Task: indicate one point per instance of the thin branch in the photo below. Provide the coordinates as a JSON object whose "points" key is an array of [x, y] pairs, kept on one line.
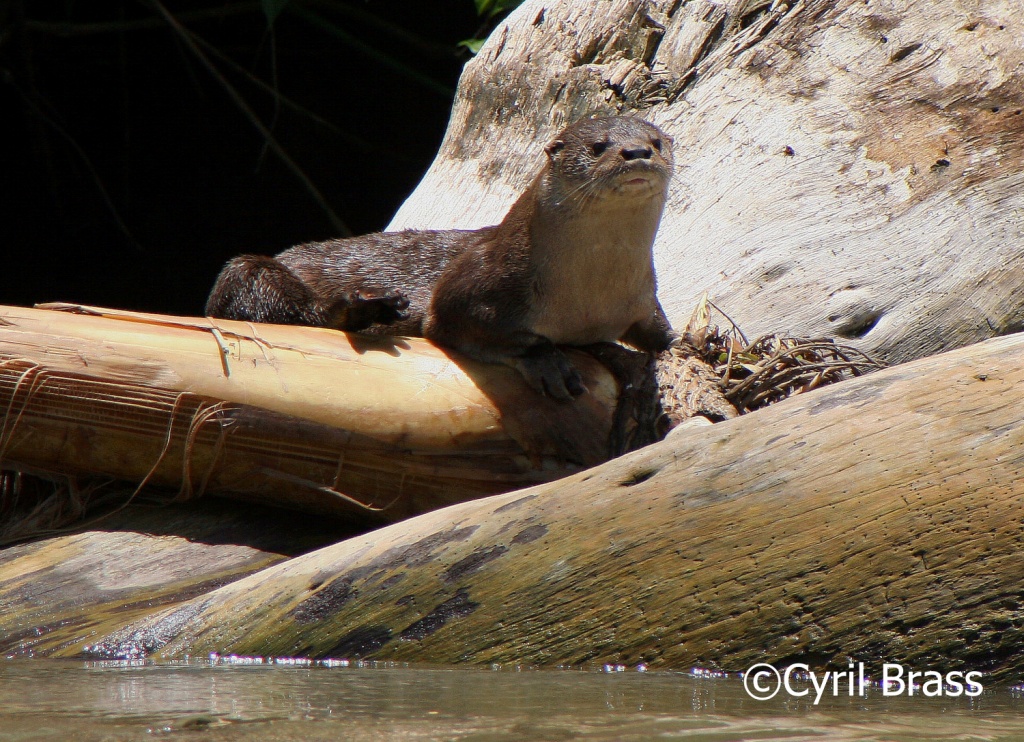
{"points": [[141, 24], [275, 93], [83, 156], [408, 38], [287, 102], [189, 40], [376, 55]]}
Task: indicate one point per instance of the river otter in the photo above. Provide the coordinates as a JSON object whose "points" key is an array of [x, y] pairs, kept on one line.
{"points": [[570, 263]]}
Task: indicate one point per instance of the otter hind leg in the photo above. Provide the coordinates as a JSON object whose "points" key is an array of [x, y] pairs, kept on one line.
{"points": [[256, 288]]}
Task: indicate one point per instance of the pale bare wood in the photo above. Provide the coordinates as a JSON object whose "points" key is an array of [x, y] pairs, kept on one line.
{"points": [[845, 168], [301, 417], [881, 519]]}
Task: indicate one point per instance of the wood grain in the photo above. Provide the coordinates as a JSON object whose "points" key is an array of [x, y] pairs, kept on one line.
{"points": [[881, 519], [290, 416], [844, 169]]}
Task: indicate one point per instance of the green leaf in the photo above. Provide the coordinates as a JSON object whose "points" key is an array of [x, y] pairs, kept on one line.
{"points": [[473, 44], [272, 9], [491, 8]]}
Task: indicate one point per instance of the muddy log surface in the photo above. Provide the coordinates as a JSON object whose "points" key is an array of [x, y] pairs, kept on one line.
{"points": [[845, 169], [881, 519]]}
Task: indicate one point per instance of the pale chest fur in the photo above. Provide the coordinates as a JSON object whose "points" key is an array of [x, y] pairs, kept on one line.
{"points": [[594, 275]]}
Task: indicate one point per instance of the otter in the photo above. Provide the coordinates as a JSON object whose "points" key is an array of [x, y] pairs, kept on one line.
{"points": [[570, 264]]}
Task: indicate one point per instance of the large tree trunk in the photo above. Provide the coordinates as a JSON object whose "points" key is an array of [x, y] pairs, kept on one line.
{"points": [[881, 520], [845, 168]]}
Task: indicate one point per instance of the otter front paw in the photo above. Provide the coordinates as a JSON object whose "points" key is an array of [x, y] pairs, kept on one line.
{"points": [[361, 308], [548, 371]]}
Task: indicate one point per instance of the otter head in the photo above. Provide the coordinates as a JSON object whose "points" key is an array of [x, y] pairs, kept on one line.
{"points": [[618, 158]]}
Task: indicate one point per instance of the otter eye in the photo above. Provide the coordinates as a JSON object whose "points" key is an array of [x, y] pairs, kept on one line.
{"points": [[656, 144], [599, 147]]}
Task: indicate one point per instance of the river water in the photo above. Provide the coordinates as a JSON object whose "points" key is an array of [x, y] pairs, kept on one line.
{"points": [[61, 700]]}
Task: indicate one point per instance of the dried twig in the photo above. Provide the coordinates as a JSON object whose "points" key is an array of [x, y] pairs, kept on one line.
{"points": [[754, 374]]}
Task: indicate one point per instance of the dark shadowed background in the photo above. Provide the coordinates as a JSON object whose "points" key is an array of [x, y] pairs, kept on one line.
{"points": [[130, 172]]}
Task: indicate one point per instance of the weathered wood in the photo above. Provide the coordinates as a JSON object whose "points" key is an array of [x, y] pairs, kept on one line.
{"points": [[63, 593], [845, 168], [881, 519], [294, 416]]}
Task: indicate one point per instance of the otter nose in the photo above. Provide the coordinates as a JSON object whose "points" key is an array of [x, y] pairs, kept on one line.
{"points": [[637, 153]]}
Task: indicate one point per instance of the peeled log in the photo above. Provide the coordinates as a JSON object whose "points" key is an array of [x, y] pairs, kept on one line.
{"points": [[845, 169], [881, 519], [294, 416]]}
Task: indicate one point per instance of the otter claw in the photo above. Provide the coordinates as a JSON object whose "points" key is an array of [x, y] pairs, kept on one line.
{"points": [[359, 309], [391, 307], [548, 371]]}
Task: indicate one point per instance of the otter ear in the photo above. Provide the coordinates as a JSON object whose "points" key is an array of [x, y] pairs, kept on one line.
{"points": [[554, 148]]}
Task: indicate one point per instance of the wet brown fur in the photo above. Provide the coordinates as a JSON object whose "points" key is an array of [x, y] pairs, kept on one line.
{"points": [[569, 264]]}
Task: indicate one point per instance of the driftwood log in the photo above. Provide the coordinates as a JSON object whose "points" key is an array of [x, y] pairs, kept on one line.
{"points": [[881, 519], [320, 420], [107, 413], [56, 593], [846, 169], [374, 429]]}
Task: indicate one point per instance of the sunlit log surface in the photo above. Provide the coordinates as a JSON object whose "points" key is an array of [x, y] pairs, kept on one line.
{"points": [[299, 417], [881, 519]]}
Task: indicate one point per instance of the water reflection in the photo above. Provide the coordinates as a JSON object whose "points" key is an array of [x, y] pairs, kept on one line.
{"points": [[44, 700]]}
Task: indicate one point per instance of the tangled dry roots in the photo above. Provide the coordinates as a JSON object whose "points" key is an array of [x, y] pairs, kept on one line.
{"points": [[718, 373]]}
